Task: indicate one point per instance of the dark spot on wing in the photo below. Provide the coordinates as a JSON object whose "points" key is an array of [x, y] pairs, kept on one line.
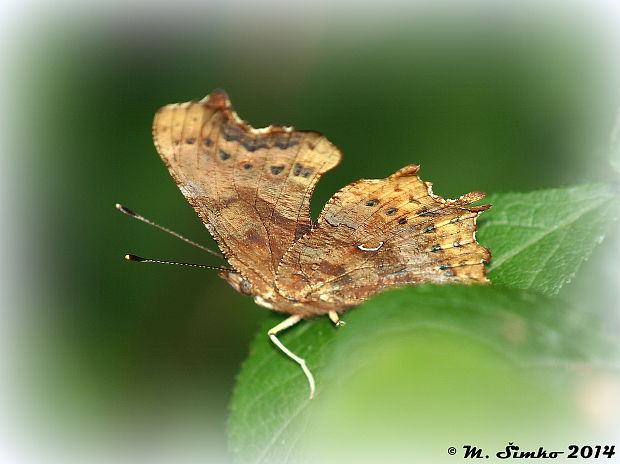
{"points": [[190, 141], [223, 155], [428, 229], [372, 202], [331, 269], [436, 248], [424, 212], [283, 145], [275, 170], [252, 142], [402, 221], [302, 229], [232, 133], [299, 170], [391, 211], [252, 236], [207, 142], [255, 146]]}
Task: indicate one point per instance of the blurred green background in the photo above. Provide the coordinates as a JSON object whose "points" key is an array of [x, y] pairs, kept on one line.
{"points": [[485, 98]]}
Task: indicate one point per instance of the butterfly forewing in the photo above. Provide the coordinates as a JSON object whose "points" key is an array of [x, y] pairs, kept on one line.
{"points": [[251, 187]]}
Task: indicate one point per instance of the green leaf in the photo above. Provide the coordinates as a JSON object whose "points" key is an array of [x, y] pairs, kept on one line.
{"points": [[405, 360], [540, 239]]}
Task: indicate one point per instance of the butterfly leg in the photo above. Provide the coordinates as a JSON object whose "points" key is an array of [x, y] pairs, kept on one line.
{"points": [[285, 324], [333, 315]]}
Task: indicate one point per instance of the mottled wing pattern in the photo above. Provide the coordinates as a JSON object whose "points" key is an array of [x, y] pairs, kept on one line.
{"points": [[377, 234], [251, 187]]}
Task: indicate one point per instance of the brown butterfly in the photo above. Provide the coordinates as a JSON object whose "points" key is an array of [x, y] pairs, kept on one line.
{"points": [[252, 189]]}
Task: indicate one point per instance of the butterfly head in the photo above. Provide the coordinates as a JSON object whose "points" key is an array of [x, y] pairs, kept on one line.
{"points": [[238, 282]]}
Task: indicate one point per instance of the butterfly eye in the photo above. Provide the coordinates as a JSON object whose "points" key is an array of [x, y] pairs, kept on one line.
{"points": [[245, 287]]}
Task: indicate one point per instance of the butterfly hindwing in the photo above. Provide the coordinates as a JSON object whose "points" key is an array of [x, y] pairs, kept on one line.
{"points": [[377, 234]]}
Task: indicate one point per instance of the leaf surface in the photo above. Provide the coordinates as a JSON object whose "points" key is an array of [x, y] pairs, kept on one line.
{"points": [[540, 239], [496, 334]]}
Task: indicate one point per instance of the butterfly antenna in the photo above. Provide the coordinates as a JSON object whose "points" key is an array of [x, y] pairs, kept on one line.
{"points": [[128, 212], [160, 261]]}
